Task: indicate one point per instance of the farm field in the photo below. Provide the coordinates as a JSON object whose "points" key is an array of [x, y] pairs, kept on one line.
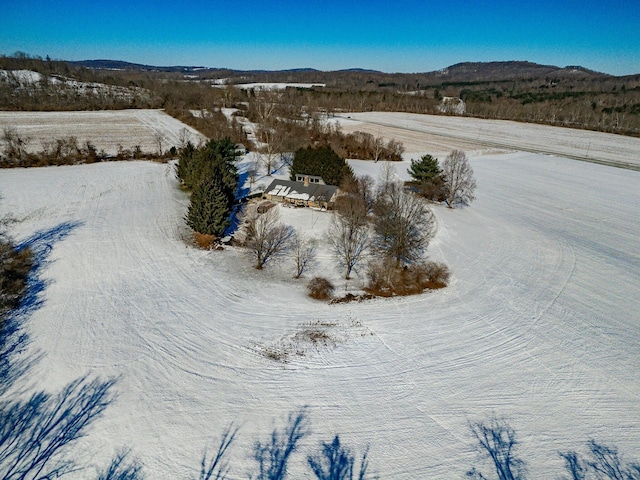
{"points": [[106, 129], [440, 134], [539, 325]]}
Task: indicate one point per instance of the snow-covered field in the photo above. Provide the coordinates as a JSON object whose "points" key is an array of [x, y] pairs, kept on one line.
{"points": [[270, 85], [106, 129], [540, 323], [440, 134]]}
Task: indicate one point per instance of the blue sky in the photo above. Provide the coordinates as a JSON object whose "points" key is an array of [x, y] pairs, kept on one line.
{"points": [[392, 36]]}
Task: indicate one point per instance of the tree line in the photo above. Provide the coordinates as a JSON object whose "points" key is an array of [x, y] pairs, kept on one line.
{"points": [[601, 103], [210, 174], [15, 152]]}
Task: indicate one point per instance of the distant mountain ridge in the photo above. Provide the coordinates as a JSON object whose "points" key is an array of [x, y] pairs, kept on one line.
{"points": [[460, 73], [492, 71], [466, 71], [122, 65]]}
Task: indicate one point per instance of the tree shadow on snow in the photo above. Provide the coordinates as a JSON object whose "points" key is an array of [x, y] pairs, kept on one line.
{"points": [[241, 194], [37, 430], [13, 338]]}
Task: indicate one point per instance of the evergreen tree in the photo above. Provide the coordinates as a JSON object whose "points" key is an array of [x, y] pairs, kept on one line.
{"points": [[210, 172], [215, 158], [323, 162], [184, 168], [427, 178], [424, 170], [209, 209]]}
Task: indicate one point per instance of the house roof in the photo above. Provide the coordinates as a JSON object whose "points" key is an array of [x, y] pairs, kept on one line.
{"points": [[299, 191]]}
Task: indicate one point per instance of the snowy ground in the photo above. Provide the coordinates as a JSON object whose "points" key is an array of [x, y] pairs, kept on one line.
{"points": [[440, 134], [540, 323], [107, 130], [273, 85]]}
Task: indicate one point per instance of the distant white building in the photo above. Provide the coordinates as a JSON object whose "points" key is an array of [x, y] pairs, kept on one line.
{"points": [[454, 105]]}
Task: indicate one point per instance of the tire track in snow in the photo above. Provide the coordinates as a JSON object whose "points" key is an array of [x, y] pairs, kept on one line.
{"points": [[515, 333]]}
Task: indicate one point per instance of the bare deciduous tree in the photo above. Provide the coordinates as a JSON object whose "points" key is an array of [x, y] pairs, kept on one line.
{"points": [[267, 236], [386, 176], [184, 137], [159, 138], [378, 147], [402, 225], [362, 187], [303, 254], [349, 238], [458, 179], [270, 129], [268, 152]]}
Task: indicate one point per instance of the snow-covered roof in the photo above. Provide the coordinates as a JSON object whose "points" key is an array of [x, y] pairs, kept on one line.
{"points": [[299, 191]]}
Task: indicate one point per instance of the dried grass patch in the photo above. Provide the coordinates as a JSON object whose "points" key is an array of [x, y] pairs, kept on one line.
{"points": [[312, 338], [204, 241]]}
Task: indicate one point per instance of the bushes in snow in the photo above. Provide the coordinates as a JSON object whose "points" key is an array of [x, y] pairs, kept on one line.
{"points": [[365, 146], [386, 279], [320, 288], [360, 145], [63, 151], [15, 265]]}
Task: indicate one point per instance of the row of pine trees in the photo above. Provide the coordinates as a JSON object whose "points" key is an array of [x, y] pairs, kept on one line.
{"points": [[210, 173]]}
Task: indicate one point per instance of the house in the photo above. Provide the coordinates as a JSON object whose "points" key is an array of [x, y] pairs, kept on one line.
{"points": [[309, 179], [310, 191]]}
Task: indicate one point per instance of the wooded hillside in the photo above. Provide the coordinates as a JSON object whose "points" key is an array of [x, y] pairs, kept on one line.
{"points": [[522, 91]]}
